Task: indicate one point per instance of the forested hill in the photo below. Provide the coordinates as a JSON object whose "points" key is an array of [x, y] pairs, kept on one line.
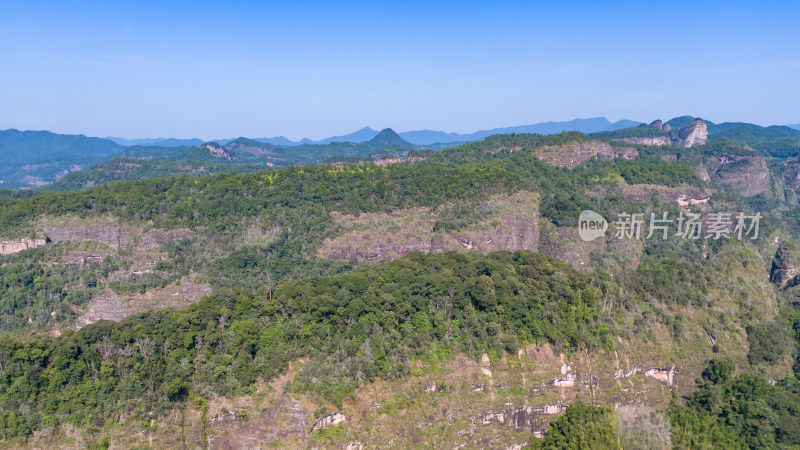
{"points": [[27, 147], [449, 290], [43, 159]]}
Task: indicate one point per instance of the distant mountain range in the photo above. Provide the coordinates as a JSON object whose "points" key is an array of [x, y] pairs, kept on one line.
{"points": [[156, 142], [40, 146], [424, 137], [37, 158], [416, 137]]}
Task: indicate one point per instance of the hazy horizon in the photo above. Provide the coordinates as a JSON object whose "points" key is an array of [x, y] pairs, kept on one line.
{"points": [[187, 70]]}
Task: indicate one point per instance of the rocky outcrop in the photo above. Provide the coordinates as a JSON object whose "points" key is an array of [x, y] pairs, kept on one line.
{"points": [[654, 140], [627, 374], [108, 230], [512, 225], [82, 256], [217, 151], [284, 421], [678, 195], [784, 265], [683, 200], [574, 153], [747, 176], [663, 375], [535, 352], [383, 162], [107, 305], [792, 173], [17, 245], [657, 124], [329, 421], [519, 231], [155, 237], [527, 418], [379, 236], [695, 133]]}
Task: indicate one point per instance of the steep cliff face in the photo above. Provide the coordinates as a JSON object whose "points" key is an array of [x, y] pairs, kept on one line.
{"points": [[575, 153], [108, 230], [785, 265], [513, 225], [101, 237], [378, 236], [678, 195], [217, 151], [287, 420], [655, 140], [696, 133], [515, 231], [107, 305], [17, 245], [745, 175], [792, 174]]}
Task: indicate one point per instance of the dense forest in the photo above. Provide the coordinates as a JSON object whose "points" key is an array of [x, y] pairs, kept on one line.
{"points": [[275, 301]]}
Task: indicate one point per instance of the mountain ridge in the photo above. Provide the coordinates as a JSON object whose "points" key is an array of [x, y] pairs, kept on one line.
{"points": [[416, 137]]}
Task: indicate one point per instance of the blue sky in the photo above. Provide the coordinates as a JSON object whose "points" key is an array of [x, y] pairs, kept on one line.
{"points": [[314, 69]]}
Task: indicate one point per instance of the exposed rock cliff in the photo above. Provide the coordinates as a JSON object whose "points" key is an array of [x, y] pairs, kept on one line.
{"points": [[574, 153], [696, 133], [745, 175], [675, 195], [217, 151], [655, 140], [17, 245], [785, 265], [379, 236], [513, 225], [108, 230], [792, 174], [284, 421], [107, 305]]}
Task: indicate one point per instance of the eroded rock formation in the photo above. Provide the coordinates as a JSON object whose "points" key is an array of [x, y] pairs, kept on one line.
{"points": [[655, 140], [107, 305], [574, 153], [330, 420], [108, 230], [695, 133], [283, 421], [513, 225], [217, 151], [17, 245], [785, 265], [747, 176]]}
